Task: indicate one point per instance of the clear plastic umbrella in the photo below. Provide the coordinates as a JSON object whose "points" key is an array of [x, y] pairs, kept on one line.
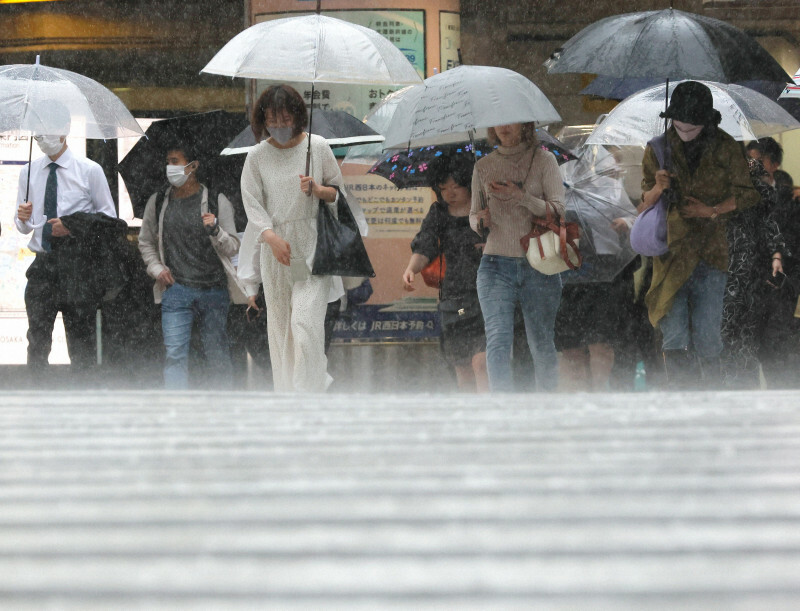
{"points": [[313, 49], [792, 90], [460, 104], [746, 115], [595, 199], [26, 89]]}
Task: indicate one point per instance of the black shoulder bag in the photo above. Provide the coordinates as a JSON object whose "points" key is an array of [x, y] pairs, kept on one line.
{"points": [[340, 249]]}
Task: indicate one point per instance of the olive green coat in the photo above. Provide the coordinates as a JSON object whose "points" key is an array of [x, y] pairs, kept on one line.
{"points": [[722, 172]]}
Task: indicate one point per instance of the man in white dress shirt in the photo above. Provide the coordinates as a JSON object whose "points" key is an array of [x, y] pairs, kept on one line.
{"points": [[60, 184]]}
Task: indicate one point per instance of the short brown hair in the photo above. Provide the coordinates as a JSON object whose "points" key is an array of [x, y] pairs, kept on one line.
{"points": [[278, 99], [529, 136]]}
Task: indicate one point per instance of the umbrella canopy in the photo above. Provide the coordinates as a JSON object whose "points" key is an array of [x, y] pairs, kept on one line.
{"points": [[142, 168], [746, 115], [666, 44], [408, 168], [313, 49], [336, 126], [27, 89], [793, 89], [454, 105], [595, 197]]}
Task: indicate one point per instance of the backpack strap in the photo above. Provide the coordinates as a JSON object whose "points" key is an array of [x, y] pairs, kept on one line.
{"points": [[160, 201]]}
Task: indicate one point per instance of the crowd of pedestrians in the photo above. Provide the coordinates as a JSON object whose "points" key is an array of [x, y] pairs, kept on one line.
{"points": [[721, 300]]}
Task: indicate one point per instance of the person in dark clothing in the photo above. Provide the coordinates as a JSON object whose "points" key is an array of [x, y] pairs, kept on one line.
{"points": [[187, 240], [52, 187], [446, 230], [755, 251], [779, 328]]}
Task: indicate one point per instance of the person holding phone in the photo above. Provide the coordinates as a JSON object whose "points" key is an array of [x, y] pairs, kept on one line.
{"points": [[516, 181], [756, 248]]}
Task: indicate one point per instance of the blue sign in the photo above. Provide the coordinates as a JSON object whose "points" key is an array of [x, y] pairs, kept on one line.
{"points": [[381, 323]]}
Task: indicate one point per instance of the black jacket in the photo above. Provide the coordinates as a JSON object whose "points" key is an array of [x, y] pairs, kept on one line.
{"points": [[92, 261]]}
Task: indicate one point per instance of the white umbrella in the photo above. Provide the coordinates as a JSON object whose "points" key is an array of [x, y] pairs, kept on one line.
{"points": [[792, 90], [454, 105], [746, 115], [26, 89], [313, 49]]}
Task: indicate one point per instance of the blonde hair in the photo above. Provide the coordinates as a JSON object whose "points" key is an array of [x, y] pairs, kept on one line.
{"points": [[529, 136]]}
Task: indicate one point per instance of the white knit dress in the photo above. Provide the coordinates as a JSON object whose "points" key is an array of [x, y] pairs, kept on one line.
{"points": [[295, 310]]}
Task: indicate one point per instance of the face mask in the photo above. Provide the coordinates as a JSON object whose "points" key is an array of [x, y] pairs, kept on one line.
{"points": [[49, 145], [686, 131], [176, 175], [282, 135]]}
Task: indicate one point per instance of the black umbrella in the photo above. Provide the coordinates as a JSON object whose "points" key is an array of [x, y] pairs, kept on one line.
{"points": [[142, 168], [667, 44], [337, 127], [407, 168]]}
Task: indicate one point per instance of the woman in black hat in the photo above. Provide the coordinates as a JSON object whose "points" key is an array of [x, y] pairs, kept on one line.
{"points": [[706, 182]]}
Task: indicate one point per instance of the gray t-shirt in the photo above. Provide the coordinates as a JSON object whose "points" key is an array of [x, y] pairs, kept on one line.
{"points": [[187, 248]]}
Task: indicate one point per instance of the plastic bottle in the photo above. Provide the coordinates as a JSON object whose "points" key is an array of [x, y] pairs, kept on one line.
{"points": [[640, 378]]}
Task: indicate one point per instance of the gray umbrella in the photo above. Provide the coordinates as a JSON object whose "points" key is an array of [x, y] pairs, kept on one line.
{"points": [[667, 44]]}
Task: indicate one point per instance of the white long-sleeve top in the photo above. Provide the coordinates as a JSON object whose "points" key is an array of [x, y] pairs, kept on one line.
{"points": [[273, 200], [82, 187]]}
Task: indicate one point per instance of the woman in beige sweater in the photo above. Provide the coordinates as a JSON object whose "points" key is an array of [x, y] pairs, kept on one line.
{"points": [[509, 188]]}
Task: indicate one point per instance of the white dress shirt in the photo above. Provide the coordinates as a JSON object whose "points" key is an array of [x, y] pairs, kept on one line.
{"points": [[82, 187]]}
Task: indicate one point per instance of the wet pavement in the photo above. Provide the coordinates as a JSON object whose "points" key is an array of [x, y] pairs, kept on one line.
{"points": [[258, 500]]}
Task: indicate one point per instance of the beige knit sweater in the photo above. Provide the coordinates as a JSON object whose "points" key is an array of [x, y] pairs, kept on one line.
{"points": [[512, 218]]}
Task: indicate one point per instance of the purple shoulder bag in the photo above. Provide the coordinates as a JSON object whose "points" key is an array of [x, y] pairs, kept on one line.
{"points": [[649, 231]]}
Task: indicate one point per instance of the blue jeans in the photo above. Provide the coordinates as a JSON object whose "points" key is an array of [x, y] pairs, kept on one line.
{"points": [[695, 318], [180, 306], [502, 283]]}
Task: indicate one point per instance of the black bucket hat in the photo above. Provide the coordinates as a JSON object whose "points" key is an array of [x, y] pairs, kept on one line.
{"points": [[691, 102]]}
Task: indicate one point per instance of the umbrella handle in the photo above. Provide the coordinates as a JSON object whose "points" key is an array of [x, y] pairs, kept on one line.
{"points": [[30, 154], [310, 121], [667, 160]]}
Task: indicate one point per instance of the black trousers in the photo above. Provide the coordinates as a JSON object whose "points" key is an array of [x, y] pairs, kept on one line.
{"points": [[42, 302]]}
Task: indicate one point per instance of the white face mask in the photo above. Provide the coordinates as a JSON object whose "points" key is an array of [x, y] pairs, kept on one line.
{"points": [[49, 145], [176, 175], [686, 131], [282, 135]]}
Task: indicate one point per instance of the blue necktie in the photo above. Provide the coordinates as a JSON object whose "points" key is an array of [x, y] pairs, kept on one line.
{"points": [[50, 205]]}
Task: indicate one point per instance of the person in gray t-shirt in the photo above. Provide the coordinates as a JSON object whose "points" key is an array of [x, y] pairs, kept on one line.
{"points": [[185, 240]]}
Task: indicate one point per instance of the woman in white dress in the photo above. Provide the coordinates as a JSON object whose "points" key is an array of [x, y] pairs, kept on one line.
{"points": [[281, 202]]}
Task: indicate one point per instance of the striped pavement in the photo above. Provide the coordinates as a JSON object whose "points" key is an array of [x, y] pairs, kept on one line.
{"points": [[155, 500]]}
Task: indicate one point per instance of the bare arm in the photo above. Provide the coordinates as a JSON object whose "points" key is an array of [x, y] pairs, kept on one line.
{"points": [[415, 266]]}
